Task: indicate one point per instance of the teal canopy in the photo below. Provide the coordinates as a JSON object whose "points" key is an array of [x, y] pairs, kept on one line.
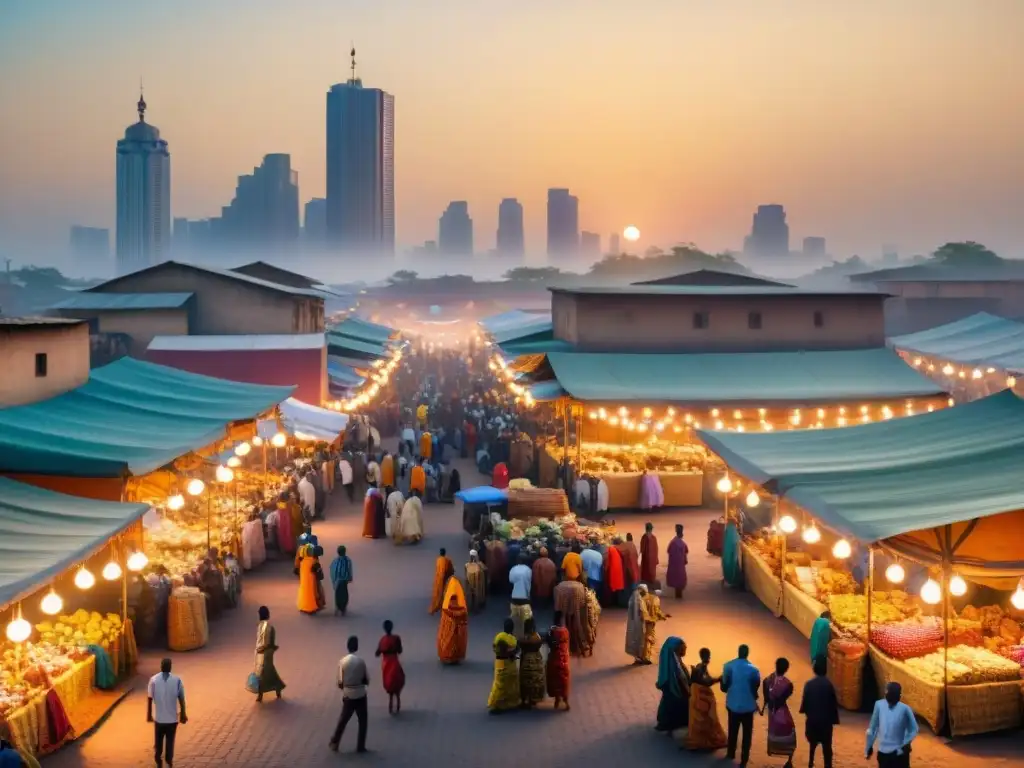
{"points": [[540, 329], [749, 377], [364, 330], [541, 346], [43, 533], [344, 346], [131, 417], [981, 339], [889, 478], [512, 321]]}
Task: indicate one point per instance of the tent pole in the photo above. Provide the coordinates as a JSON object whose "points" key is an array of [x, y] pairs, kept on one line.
{"points": [[209, 513], [869, 588], [946, 572]]}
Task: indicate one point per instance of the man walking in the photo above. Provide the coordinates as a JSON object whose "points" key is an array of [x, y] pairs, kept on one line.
{"points": [[740, 683], [821, 708], [166, 694], [352, 679], [893, 726]]}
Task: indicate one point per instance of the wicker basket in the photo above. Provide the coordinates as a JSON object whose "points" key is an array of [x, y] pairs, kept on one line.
{"points": [[983, 708], [187, 626], [847, 675], [537, 502]]}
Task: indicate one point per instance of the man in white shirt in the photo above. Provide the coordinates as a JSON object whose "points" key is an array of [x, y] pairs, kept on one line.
{"points": [[307, 494], [352, 679], [409, 438], [166, 693], [894, 726], [520, 576], [592, 564], [345, 469]]}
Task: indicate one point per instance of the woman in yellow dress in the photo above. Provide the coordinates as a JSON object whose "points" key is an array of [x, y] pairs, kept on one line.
{"points": [[310, 575], [453, 632], [505, 690]]}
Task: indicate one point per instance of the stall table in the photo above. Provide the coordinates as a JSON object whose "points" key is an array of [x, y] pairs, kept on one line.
{"points": [[800, 609], [761, 581]]}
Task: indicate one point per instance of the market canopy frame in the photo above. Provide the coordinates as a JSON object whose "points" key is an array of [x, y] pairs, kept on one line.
{"points": [[978, 340], [364, 330]]}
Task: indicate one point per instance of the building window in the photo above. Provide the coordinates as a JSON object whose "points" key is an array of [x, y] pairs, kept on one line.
{"points": [[701, 320], [40, 365], [754, 321], [819, 319]]}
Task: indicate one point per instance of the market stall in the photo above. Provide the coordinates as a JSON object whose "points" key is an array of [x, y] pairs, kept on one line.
{"points": [[934, 505]]}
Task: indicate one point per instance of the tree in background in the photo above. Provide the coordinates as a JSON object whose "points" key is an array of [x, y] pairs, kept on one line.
{"points": [[403, 276], [534, 274], [966, 254], [679, 259]]}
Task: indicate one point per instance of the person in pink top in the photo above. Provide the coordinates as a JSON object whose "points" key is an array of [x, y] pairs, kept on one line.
{"points": [[678, 552]]}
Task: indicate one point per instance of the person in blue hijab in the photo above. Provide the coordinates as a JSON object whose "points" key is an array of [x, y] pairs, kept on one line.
{"points": [[674, 684]]}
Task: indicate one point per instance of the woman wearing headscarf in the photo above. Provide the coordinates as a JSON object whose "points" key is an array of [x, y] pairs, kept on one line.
{"points": [[652, 614], [674, 684], [454, 485], [411, 528], [392, 675], [635, 625], [341, 577], [705, 730], [418, 478], [285, 535], [777, 689], [505, 688], [310, 574], [373, 518], [531, 665], [264, 673], [571, 602], [558, 672], [387, 472], [453, 632], [394, 504], [476, 582]]}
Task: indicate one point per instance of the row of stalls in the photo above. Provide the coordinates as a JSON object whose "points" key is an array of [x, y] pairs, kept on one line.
{"points": [[361, 358], [124, 510], [909, 533]]}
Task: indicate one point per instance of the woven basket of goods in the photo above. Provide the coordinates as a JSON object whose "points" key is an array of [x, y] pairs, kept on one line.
{"points": [[846, 671], [537, 502], [187, 626]]}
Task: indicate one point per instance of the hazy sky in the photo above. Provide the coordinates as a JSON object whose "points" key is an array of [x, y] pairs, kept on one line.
{"points": [[879, 121]]}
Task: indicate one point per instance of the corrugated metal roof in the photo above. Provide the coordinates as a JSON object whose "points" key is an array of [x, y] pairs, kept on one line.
{"points": [[123, 301], [227, 273], [277, 341], [33, 321], [713, 290]]}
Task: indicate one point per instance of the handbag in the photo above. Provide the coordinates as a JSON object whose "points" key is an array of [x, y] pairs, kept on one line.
{"points": [[252, 683]]}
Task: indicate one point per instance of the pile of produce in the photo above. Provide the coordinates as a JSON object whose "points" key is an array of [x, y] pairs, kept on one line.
{"points": [[1013, 653], [966, 666], [81, 628], [851, 611], [653, 456], [769, 549], [818, 578], [534, 533], [908, 639], [998, 629]]}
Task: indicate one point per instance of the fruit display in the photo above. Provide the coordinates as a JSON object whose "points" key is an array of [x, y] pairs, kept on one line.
{"points": [[851, 611], [818, 578], [908, 639], [769, 549], [80, 628], [534, 533], [1013, 653], [654, 455], [965, 666]]}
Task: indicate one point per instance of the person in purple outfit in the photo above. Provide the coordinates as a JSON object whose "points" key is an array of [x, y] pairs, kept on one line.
{"points": [[678, 554]]}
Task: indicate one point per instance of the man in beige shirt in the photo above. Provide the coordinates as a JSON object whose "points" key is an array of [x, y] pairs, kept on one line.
{"points": [[352, 679]]}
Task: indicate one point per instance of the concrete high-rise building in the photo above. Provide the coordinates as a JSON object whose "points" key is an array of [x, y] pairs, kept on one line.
{"points": [[511, 241], [814, 247], [314, 227], [563, 223], [90, 247], [143, 196], [614, 244], [455, 230], [265, 209], [769, 234], [590, 244], [360, 167]]}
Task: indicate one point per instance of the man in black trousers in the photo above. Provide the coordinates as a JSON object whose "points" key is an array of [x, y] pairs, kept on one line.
{"points": [[821, 708], [352, 679]]}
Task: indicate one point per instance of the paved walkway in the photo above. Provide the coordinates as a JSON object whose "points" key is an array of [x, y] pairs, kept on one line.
{"points": [[444, 720]]}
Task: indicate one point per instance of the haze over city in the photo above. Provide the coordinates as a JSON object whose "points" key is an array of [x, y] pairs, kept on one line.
{"points": [[873, 124]]}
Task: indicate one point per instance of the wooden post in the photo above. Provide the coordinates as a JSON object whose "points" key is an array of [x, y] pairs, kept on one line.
{"points": [[869, 588]]}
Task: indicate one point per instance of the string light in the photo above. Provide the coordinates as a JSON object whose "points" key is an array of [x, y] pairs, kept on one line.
{"points": [[724, 485], [234, 461], [176, 502], [19, 630], [257, 441], [895, 574], [842, 549], [931, 592], [787, 524], [195, 486], [112, 571], [137, 561], [242, 449], [224, 474], [957, 586], [753, 499], [84, 578], [51, 604], [279, 439], [811, 534]]}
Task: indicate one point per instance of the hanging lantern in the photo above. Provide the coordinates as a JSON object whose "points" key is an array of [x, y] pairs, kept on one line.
{"points": [[242, 449], [84, 578], [234, 461], [112, 571], [51, 604], [895, 574], [787, 524], [842, 549], [176, 502], [947, 369], [957, 586], [137, 561], [1017, 598], [224, 474], [258, 441], [724, 485], [19, 630], [811, 534], [279, 440], [753, 499], [931, 592], [195, 486]]}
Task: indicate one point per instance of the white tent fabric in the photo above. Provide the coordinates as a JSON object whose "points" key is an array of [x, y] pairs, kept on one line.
{"points": [[307, 421]]}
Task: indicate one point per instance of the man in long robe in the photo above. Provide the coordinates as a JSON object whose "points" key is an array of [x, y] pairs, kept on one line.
{"points": [[476, 582], [649, 555], [630, 566], [571, 600], [545, 575], [678, 553], [453, 632], [635, 624], [652, 614], [443, 570]]}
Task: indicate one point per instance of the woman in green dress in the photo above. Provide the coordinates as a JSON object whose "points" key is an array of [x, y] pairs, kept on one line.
{"points": [[264, 677]]}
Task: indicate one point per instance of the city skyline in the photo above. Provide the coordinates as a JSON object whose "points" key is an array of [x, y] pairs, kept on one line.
{"points": [[880, 124]]}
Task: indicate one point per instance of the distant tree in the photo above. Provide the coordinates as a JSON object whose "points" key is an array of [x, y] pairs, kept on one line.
{"points": [[533, 274], [685, 257], [40, 277], [851, 266], [403, 276], [966, 254], [653, 252]]}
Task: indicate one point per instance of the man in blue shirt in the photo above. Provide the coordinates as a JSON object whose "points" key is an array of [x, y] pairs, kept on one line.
{"points": [[740, 683], [592, 564]]}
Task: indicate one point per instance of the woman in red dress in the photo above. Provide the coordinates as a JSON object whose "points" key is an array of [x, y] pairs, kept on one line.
{"points": [[558, 662], [389, 649]]}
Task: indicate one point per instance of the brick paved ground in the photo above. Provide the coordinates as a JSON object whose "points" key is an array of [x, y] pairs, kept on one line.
{"points": [[444, 720]]}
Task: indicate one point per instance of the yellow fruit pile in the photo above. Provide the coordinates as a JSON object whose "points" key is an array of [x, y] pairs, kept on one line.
{"points": [[81, 628], [966, 666]]}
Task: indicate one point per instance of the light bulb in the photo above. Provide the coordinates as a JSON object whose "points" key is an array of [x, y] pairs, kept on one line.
{"points": [[753, 499], [51, 604], [957, 586], [947, 369], [196, 486], [234, 461], [19, 630], [811, 534], [258, 441], [279, 440], [842, 549], [111, 571], [242, 449], [931, 592], [787, 524], [1017, 598], [137, 561], [176, 502], [724, 485], [895, 574], [84, 579]]}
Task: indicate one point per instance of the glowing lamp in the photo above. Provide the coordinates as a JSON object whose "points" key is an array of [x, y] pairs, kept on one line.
{"points": [[719, 424], [842, 549], [1011, 381], [623, 411], [51, 604], [1017, 598], [648, 413], [787, 524], [137, 561], [84, 578], [195, 486], [947, 369], [242, 449], [931, 592], [176, 502], [592, 415], [976, 374], [724, 485], [279, 440], [258, 441], [234, 461], [811, 534], [19, 630], [895, 574], [753, 499], [957, 586], [111, 571], [714, 413]]}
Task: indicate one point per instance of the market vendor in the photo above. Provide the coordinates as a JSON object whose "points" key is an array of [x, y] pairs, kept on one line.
{"points": [[821, 636], [572, 565], [211, 582]]}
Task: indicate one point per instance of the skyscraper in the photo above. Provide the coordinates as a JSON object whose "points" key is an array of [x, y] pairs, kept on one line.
{"points": [[360, 166], [590, 244], [265, 209], [510, 228], [314, 228], [614, 244], [769, 234], [455, 230], [143, 196], [814, 247], [563, 223]]}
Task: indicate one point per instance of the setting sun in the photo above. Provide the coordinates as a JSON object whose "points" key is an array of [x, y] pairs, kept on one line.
{"points": [[631, 233]]}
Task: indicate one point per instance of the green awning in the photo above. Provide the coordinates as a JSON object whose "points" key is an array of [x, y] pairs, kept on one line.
{"points": [[749, 377], [131, 417], [889, 478], [364, 330], [514, 349], [344, 346], [981, 339], [43, 533]]}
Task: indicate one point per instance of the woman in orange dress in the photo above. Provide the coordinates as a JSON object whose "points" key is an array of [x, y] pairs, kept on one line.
{"points": [[558, 662], [310, 574], [453, 633], [418, 479]]}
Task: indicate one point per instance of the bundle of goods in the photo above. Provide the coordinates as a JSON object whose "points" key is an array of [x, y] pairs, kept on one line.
{"points": [[850, 612], [653, 456], [29, 671], [818, 578], [178, 545], [81, 628], [537, 502], [187, 624], [908, 639], [770, 550], [533, 533], [965, 666]]}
